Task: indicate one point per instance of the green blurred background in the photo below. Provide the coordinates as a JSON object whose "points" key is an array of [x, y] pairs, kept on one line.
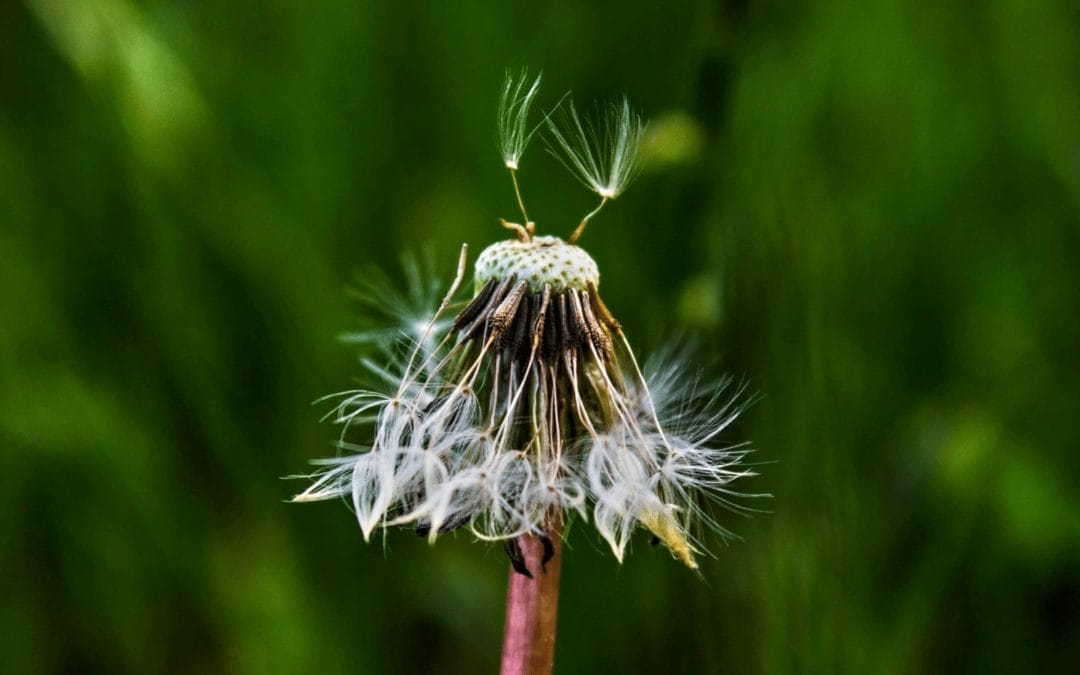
{"points": [[870, 210]]}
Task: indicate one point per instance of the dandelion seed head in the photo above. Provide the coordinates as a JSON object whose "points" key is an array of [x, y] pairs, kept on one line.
{"points": [[528, 406], [507, 412]]}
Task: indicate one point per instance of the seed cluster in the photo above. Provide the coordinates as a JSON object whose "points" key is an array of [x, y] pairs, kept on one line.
{"points": [[528, 406], [547, 323]]}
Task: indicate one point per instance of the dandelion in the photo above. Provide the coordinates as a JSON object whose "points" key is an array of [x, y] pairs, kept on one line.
{"points": [[512, 411]]}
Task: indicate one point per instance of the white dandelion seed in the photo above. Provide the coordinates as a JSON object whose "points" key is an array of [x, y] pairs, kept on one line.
{"points": [[512, 127], [604, 155]]}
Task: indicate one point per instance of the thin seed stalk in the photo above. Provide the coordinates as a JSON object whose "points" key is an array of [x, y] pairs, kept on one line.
{"points": [[531, 609]]}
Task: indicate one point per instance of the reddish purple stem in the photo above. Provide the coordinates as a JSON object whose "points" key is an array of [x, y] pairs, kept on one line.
{"points": [[531, 609]]}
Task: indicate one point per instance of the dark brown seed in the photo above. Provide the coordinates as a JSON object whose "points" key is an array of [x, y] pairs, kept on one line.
{"points": [[601, 340], [538, 320], [552, 321], [578, 329], [475, 306], [479, 324], [565, 338], [504, 314], [517, 339]]}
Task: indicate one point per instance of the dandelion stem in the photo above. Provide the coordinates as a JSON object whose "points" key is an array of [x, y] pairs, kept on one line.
{"points": [[585, 221], [531, 608]]}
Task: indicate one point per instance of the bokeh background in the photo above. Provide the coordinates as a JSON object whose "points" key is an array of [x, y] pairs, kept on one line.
{"points": [[870, 210]]}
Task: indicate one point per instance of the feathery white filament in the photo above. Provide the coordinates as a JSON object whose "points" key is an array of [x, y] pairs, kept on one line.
{"points": [[602, 155], [512, 126]]}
